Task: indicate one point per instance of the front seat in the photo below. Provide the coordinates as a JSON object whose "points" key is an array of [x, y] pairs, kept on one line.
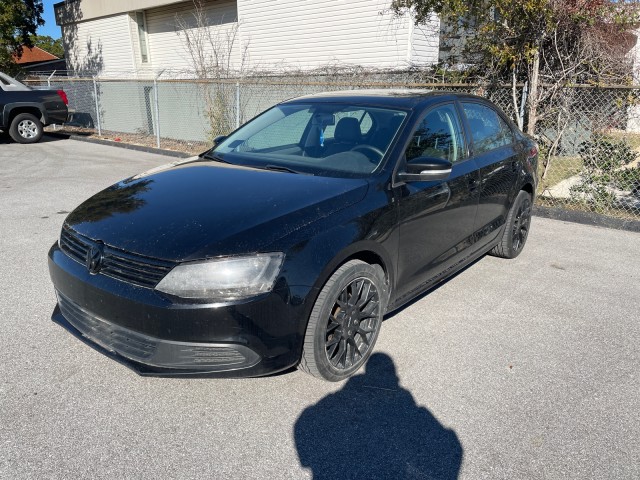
{"points": [[347, 135]]}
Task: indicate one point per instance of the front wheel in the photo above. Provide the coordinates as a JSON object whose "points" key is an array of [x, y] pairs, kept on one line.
{"points": [[516, 229], [26, 128], [345, 321]]}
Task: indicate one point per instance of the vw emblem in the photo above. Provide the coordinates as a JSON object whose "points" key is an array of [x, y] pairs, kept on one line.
{"points": [[94, 259]]}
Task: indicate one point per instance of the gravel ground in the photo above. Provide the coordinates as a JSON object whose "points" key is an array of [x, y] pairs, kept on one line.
{"points": [[513, 369]]}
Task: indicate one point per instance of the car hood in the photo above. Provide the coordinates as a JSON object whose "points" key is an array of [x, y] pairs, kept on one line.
{"points": [[203, 209]]}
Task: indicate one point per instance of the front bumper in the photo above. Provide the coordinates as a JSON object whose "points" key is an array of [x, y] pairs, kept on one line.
{"points": [[155, 335]]}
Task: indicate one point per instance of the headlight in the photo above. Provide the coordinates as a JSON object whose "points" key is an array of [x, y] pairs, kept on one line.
{"points": [[230, 278]]}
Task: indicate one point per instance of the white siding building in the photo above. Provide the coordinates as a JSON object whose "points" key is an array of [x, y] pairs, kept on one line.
{"points": [[117, 36]]}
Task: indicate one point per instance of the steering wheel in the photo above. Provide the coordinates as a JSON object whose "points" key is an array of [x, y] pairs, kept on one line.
{"points": [[369, 148]]}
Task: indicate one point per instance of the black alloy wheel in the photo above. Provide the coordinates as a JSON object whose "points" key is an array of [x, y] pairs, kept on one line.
{"points": [[345, 321], [521, 224], [352, 323], [516, 229]]}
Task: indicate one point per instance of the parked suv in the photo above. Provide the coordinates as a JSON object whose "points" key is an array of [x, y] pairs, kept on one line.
{"points": [[24, 112], [288, 242]]}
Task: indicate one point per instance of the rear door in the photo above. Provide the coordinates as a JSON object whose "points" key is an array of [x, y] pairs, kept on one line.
{"points": [[495, 151], [436, 218]]}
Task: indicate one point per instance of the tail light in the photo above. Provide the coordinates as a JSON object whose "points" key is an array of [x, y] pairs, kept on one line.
{"points": [[533, 151], [63, 97]]}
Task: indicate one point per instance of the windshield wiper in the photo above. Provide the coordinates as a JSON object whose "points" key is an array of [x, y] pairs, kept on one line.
{"points": [[214, 157], [278, 168]]}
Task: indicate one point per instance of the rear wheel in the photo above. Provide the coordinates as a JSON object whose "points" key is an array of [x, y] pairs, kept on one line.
{"points": [[516, 229], [26, 128], [345, 321]]}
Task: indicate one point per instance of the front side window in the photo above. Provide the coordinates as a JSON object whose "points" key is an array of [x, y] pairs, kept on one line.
{"points": [[438, 136], [320, 139], [488, 129]]}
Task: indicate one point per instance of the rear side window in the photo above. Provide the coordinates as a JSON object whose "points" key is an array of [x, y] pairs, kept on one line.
{"points": [[488, 130]]}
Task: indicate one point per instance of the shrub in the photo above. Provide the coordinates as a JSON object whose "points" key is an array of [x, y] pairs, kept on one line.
{"points": [[602, 160]]}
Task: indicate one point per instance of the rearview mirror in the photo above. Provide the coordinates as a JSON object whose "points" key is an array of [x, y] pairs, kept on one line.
{"points": [[323, 119], [425, 169], [219, 139]]}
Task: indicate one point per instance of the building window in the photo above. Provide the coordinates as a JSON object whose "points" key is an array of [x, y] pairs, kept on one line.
{"points": [[142, 37]]}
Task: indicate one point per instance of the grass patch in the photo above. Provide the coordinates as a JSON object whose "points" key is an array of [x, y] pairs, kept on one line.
{"points": [[632, 138], [610, 211], [560, 168]]}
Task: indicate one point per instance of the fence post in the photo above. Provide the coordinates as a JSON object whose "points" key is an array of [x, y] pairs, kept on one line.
{"points": [[523, 102], [237, 104], [49, 79], [157, 106], [95, 96]]}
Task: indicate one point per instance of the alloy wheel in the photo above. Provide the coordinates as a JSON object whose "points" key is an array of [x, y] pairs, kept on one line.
{"points": [[352, 324], [521, 225], [27, 129]]}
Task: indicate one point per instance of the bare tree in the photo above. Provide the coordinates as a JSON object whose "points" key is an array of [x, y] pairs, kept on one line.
{"points": [[219, 59]]}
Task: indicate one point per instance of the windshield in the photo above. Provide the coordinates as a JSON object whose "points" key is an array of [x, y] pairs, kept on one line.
{"points": [[318, 139]]}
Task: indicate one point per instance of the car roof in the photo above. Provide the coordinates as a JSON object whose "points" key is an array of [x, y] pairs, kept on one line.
{"points": [[400, 98]]}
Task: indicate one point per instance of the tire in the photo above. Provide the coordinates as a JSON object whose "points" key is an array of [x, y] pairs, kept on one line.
{"points": [[26, 128], [345, 321], [516, 229]]}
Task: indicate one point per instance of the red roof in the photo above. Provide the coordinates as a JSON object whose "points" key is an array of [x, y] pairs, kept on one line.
{"points": [[34, 55]]}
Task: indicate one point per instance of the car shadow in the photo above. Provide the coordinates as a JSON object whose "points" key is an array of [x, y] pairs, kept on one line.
{"points": [[46, 138], [373, 428]]}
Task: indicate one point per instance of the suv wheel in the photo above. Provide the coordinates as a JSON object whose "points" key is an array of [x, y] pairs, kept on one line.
{"points": [[26, 128], [345, 321], [516, 229]]}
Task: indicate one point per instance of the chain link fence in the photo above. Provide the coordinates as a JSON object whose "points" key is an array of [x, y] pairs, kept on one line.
{"points": [[589, 136]]}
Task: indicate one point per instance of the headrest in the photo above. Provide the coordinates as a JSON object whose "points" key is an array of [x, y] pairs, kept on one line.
{"points": [[348, 130]]}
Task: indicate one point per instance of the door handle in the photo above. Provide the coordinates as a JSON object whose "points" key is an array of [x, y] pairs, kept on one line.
{"points": [[473, 184]]}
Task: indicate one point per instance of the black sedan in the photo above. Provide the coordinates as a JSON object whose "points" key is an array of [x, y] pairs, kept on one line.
{"points": [[288, 242]]}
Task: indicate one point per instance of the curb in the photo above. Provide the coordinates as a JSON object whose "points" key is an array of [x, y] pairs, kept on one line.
{"points": [[586, 218], [128, 146]]}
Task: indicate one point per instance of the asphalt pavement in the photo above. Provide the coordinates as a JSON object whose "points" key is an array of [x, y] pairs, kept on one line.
{"points": [[527, 368]]}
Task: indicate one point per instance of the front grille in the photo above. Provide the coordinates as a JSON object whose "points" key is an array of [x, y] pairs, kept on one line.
{"points": [[128, 267], [153, 351], [114, 339]]}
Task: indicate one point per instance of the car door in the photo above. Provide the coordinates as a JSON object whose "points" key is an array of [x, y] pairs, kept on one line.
{"points": [[436, 218], [496, 153]]}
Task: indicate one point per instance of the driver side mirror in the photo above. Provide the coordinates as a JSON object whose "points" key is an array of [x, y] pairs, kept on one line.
{"points": [[425, 169]]}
